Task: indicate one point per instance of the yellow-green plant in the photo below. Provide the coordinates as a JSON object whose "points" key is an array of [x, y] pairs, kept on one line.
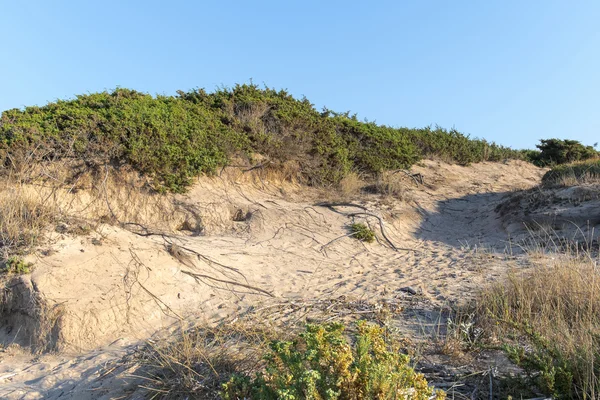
{"points": [[16, 265], [362, 232], [323, 364]]}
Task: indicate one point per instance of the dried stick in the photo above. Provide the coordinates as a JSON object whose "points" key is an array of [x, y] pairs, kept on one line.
{"points": [[203, 276]]}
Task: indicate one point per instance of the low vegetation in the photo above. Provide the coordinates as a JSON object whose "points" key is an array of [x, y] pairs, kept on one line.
{"points": [[362, 232], [172, 139], [556, 152], [576, 173], [323, 362], [23, 216], [548, 321], [15, 265]]}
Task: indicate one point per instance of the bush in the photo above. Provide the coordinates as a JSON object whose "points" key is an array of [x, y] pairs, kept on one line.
{"points": [[362, 232], [453, 146], [173, 139], [163, 137], [556, 152], [573, 174], [322, 364]]}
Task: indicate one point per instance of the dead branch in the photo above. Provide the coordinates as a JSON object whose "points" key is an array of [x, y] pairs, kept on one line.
{"points": [[332, 205], [417, 178], [381, 227], [135, 279], [259, 166], [202, 257], [336, 239], [203, 276]]}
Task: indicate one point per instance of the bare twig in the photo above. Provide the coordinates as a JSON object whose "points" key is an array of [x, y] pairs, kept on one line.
{"points": [[417, 178], [212, 278]]}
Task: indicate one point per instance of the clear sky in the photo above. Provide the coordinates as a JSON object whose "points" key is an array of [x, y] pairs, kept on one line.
{"points": [[508, 71]]}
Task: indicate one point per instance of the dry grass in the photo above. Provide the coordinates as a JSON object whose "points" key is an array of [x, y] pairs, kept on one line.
{"points": [[550, 315], [23, 216], [351, 185], [196, 362], [577, 173], [391, 183]]}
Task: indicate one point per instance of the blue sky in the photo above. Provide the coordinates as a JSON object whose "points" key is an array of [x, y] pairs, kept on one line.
{"points": [[508, 71]]}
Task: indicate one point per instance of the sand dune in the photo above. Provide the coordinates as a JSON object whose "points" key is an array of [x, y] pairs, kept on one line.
{"points": [[91, 298]]}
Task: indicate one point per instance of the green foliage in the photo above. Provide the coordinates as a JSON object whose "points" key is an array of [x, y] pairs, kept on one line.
{"points": [[362, 232], [16, 265], [453, 146], [549, 323], [573, 173], [322, 364], [176, 138], [163, 137], [550, 369], [557, 151]]}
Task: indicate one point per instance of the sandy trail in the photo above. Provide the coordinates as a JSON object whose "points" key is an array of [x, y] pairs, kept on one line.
{"points": [[289, 247]]}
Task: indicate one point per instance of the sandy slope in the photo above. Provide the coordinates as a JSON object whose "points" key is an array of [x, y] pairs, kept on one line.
{"points": [[106, 290]]}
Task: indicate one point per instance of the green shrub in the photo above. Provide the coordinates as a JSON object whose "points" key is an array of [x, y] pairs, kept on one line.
{"points": [[557, 151], [322, 364], [362, 232], [163, 137], [453, 146], [176, 138], [573, 174]]}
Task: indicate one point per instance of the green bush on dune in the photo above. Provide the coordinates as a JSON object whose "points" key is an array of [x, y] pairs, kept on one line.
{"points": [[573, 173], [176, 138], [557, 152]]}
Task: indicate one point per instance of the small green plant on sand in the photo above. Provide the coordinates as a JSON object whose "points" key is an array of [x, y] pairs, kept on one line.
{"points": [[362, 232], [16, 265], [322, 364]]}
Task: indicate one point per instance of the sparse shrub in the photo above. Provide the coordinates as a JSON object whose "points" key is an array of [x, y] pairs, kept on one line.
{"points": [[548, 320], [16, 265], [322, 364], [362, 232], [573, 174], [391, 184], [350, 185]]}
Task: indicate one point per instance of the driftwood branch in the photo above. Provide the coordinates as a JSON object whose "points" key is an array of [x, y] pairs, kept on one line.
{"points": [[261, 165], [212, 278], [173, 248]]}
